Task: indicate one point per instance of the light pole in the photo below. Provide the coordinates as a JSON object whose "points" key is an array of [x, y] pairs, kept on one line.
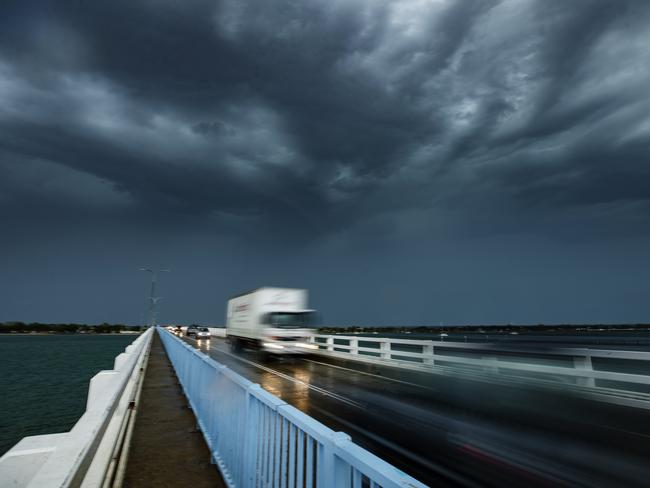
{"points": [[153, 299]]}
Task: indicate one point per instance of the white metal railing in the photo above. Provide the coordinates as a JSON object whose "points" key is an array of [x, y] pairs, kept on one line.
{"points": [[604, 370], [87, 455], [258, 440]]}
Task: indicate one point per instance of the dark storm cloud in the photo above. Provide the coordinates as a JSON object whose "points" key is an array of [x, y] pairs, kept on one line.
{"points": [[330, 111]]}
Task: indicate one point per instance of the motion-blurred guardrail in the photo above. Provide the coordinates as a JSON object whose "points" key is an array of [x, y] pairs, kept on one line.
{"points": [[90, 455], [616, 376], [257, 439]]}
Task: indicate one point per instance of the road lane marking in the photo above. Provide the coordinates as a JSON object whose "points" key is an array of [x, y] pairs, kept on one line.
{"points": [[315, 388], [370, 374], [354, 371]]}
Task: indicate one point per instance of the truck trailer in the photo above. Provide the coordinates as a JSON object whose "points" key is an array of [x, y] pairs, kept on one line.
{"points": [[271, 320]]}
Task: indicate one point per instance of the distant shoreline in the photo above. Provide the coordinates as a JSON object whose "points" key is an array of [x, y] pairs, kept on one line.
{"points": [[38, 328], [4, 334], [490, 329]]}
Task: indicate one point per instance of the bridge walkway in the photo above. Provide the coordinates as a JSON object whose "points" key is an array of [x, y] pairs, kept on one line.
{"points": [[166, 448]]}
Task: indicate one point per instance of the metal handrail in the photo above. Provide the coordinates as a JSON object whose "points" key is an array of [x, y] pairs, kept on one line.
{"points": [[257, 439], [568, 365], [609, 353]]}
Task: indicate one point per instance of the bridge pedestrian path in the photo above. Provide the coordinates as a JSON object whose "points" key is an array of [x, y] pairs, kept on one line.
{"points": [[167, 449]]}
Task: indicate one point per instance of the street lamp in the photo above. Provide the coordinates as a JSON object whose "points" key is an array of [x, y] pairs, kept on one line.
{"points": [[153, 299]]}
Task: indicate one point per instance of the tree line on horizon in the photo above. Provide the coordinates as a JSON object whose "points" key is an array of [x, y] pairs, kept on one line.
{"points": [[36, 327], [106, 328], [485, 328]]}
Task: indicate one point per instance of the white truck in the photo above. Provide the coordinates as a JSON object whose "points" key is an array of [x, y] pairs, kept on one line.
{"points": [[271, 320]]}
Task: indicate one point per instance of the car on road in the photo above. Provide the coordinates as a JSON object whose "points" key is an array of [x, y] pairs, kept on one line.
{"points": [[203, 333], [198, 333]]}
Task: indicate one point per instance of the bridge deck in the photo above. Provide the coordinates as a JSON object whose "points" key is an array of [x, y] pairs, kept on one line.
{"points": [[166, 448], [449, 431]]}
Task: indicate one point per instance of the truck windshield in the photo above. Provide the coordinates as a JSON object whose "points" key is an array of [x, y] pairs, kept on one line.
{"points": [[286, 320]]}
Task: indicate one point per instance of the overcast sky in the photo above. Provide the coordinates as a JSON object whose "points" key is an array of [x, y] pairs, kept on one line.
{"points": [[411, 162]]}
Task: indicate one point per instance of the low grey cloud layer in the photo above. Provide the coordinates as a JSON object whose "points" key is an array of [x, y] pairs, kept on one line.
{"points": [[361, 130]]}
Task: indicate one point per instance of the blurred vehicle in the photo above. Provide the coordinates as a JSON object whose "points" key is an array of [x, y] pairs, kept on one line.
{"points": [[177, 331], [191, 331], [203, 333], [270, 320]]}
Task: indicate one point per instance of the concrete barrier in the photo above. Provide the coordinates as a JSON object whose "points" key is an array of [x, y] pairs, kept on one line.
{"points": [[86, 456], [217, 331]]}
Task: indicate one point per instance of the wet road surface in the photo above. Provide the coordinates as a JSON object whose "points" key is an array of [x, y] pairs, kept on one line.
{"points": [[450, 431]]}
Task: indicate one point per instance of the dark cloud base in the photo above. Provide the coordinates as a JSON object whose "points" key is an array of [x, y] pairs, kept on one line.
{"points": [[345, 137]]}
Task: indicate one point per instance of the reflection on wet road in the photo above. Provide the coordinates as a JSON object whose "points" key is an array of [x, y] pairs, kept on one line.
{"points": [[447, 431]]}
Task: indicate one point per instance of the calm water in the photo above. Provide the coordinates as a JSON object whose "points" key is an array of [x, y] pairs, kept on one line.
{"points": [[44, 380]]}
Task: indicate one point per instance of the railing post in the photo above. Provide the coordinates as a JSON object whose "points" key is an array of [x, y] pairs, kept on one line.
{"points": [[354, 346], [384, 347], [428, 358], [330, 343], [333, 471], [584, 362], [248, 469], [342, 470]]}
